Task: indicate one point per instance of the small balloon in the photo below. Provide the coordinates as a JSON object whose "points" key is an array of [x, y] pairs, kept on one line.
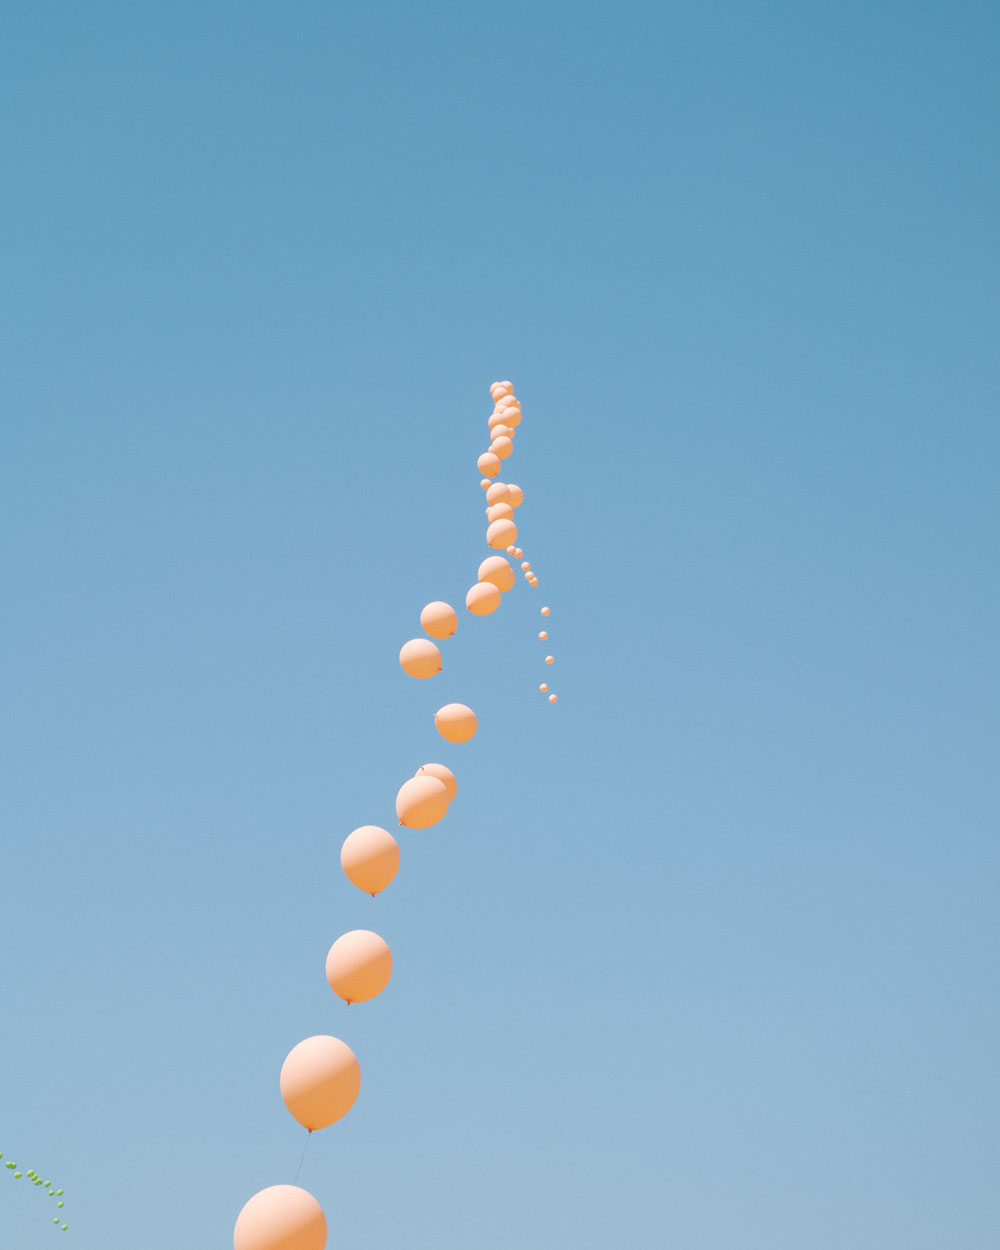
{"points": [[498, 417], [282, 1217], [516, 495], [552, 698], [501, 534], [495, 569], [421, 802], [370, 858], [455, 722], [544, 686], [488, 464], [439, 619], [483, 598], [484, 482], [550, 659], [320, 1080], [543, 635], [518, 553], [511, 551], [500, 431], [443, 774], [498, 492], [420, 658], [358, 966], [546, 611], [526, 565]]}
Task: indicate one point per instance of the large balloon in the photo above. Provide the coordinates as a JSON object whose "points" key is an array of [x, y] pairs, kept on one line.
{"points": [[442, 774], [455, 722], [282, 1217], [515, 495], [501, 447], [320, 1080], [498, 493], [421, 802], [439, 619], [501, 534], [370, 858], [359, 966], [420, 657], [483, 598], [498, 417], [488, 464], [499, 512], [495, 569]]}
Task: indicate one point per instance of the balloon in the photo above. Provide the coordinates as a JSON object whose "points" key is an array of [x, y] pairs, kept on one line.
{"points": [[546, 611], [455, 722], [282, 1217], [488, 464], [483, 598], [518, 552], [421, 802], [498, 493], [544, 686], [552, 698], [501, 431], [516, 495], [495, 569], [484, 482], [439, 619], [497, 417], [504, 388], [526, 566], [420, 658], [500, 534], [320, 1080], [443, 774], [499, 512], [370, 858], [550, 659], [501, 447], [543, 635], [358, 966], [512, 415], [511, 551]]}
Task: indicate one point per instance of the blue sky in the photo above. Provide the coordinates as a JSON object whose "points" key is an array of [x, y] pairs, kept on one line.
{"points": [[704, 956]]}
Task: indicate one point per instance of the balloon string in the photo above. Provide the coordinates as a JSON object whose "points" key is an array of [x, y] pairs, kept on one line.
{"points": [[309, 1134]]}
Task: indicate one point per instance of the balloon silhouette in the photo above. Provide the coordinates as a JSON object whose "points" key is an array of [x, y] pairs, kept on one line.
{"points": [[483, 598], [370, 858], [420, 658], [438, 619], [443, 774], [358, 966], [320, 1080], [421, 802], [455, 722], [282, 1217]]}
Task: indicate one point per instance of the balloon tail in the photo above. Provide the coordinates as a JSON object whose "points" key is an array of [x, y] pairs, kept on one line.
{"points": [[302, 1160]]}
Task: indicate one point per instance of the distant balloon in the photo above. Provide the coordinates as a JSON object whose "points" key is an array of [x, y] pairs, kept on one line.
{"points": [[546, 611], [320, 1080], [502, 447], [443, 774], [495, 569], [518, 553], [420, 658], [483, 598], [439, 619], [488, 464], [544, 686], [505, 388], [501, 534], [516, 495], [526, 566], [455, 722], [499, 492], [499, 512], [421, 802], [543, 635], [484, 482], [550, 659], [359, 966], [370, 858], [282, 1217], [512, 551], [552, 698]]}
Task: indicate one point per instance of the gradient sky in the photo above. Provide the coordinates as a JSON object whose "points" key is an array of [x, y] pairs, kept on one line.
{"points": [[705, 956]]}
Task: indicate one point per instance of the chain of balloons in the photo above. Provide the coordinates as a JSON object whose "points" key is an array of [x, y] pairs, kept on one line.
{"points": [[320, 1078], [36, 1180]]}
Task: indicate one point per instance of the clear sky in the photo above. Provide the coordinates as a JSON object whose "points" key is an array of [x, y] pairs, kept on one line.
{"points": [[703, 957]]}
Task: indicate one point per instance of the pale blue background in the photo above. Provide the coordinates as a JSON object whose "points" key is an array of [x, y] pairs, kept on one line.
{"points": [[705, 956]]}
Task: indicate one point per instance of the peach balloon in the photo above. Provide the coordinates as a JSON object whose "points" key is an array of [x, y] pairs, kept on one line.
{"points": [[320, 1080], [488, 464], [370, 858], [497, 418], [511, 551], [499, 512], [484, 482], [498, 492], [550, 659], [455, 722], [483, 598], [495, 569], [546, 611], [512, 416], [359, 966], [282, 1217], [526, 566], [501, 534], [544, 686], [552, 698], [501, 431], [518, 553], [421, 802], [543, 635], [420, 657], [444, 775], [439, 619], [504, 388], [516, 495], [502, 447]]}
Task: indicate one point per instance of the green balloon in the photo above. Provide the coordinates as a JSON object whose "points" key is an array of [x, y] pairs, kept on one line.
{"points": [[60, 1204], [17, 1175], [56, 1220], [59, 1192]]}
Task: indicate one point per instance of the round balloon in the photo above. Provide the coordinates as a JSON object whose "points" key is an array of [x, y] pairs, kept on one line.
{"points": [[501, 447], [499, 512], [282, 1217], [544, 686], [439, 619], [320, 1080], [515, 495], [501, 534], [421, 802], [500, 431], [552, 698], [543, 635], [370, 858], [488, 464], [550, 659], [498, 493], [455, 722], [526, 565], [497, 417], [484, 482], [483, 598], [443, 774], [358, 966], [420, 658], [495, 569], [546, 611]]}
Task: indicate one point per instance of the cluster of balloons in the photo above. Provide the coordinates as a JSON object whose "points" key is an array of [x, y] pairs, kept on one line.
{"points": [[36, 1180], [320, 1078]]}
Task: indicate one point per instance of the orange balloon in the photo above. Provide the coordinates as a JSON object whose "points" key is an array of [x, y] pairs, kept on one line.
{"points": [[439, 619], [552, 698], [498, 493], [550, 659], [499, 512], [496, 418], [546, 611], [502, 447], [483, 598], [484, 482], [543, 635], [421, 802], [370, 858], [495, 569], [544, 686], [526, 566], [507, 399], [320, 1080], [359, 966], [505, 388], [455, 722], [512, 416], [501, 534], [443, 774], [420, 657], [518, 553], [488, 464], [281, 1217], [516, 495], [501, 431], [511, 551]]}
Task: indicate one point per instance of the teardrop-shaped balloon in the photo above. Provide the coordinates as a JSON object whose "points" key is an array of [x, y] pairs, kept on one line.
{"points": [[443, 774], [421, 802], [420, 658], [282, 1217], [488, 464], [358, 966], [495, 569], [439, 619], [498, 493], [455, 722], [501, 534], [370, 858], [320, 1080], [483, 598]]}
